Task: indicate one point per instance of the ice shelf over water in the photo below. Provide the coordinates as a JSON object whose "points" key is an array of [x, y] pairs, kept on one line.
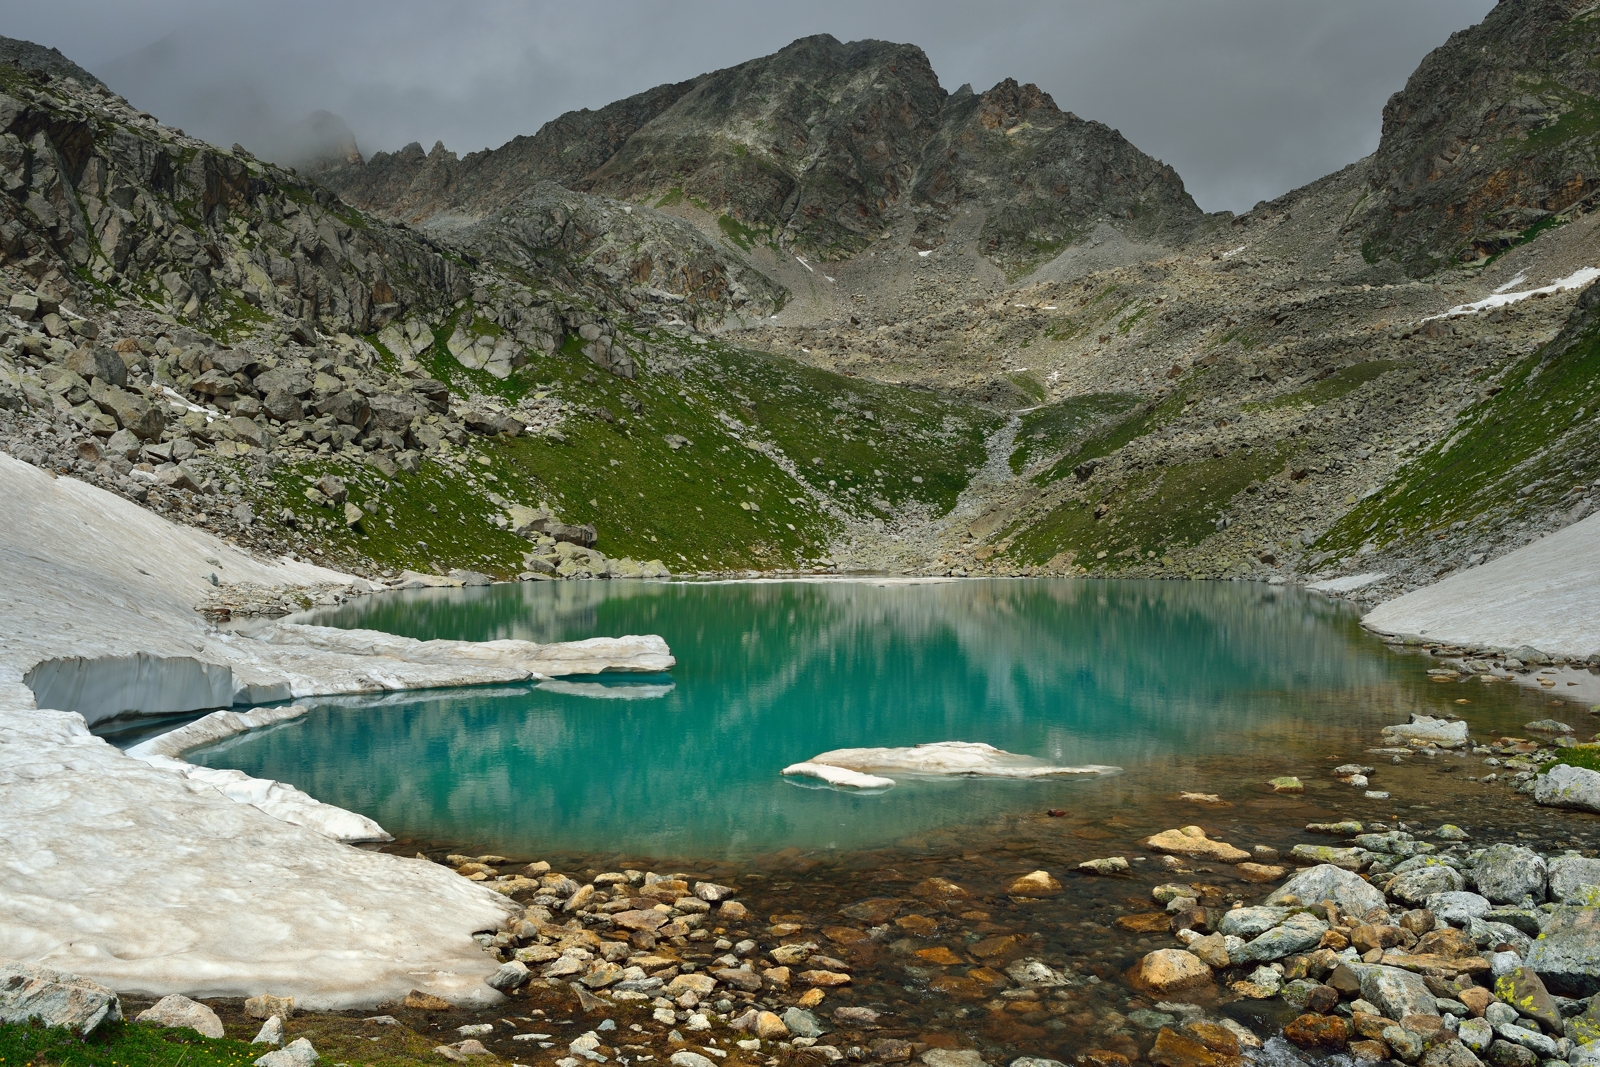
{"points": [[939, 759], [154, 876]]}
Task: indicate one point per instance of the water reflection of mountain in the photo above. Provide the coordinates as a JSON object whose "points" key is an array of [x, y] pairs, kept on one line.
{"points": [[771, 673]]}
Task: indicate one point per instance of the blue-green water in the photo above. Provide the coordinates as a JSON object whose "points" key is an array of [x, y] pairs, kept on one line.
{"points": [[1182, 684]]}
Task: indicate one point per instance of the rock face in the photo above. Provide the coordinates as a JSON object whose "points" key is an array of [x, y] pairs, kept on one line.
{"points": [[1575, 788], [180, 1011], [1567, 954], [1495, 121], [57, 998], [1567, 873]]}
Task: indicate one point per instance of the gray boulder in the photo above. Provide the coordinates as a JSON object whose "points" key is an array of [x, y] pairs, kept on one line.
{"points": [[55, 998], [509, 976], [1416, 886], [271, 1033], [1251, 922], [802, 1023], [1445, 733], [1567, 954], [179, 1011], [1297, 933], [1459, 908], [297, 1053], [1396, 993], [1487, 934], [1348, 891], [1575, 788], [1567, 873], [1508, 873]]}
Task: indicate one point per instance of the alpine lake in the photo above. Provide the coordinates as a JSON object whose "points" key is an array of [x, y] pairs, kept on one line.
{"points": [[1209, 688]]}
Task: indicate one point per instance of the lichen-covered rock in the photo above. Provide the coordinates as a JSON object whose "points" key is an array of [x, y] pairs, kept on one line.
{"points": [[1350, 893], [1523, 990], [1416, 886], [1574, 788], [1567, 954], [1396, 993], [1507, 873], [1446, 733], [1297, 933], [1251, 922], [1566, 873], [1458, 907], [1350, 859]]}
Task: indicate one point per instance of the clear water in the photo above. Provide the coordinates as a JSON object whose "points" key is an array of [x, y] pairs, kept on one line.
{"points": [[1169, 680]]}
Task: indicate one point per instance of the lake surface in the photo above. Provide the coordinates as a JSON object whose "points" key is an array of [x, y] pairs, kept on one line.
{"points": [[1181, 684]]}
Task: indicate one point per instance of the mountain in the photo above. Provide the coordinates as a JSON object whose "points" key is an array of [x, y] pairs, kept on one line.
{"points": [[25, 55], [1493, 136], [811, 310], [817, 148]]}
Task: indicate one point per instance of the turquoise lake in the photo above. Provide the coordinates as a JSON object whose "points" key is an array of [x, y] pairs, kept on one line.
{"points": [[1185, 685]]}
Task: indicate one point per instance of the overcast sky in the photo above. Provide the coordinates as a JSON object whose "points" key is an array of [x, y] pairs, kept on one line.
{"points": [[1246, 98]]}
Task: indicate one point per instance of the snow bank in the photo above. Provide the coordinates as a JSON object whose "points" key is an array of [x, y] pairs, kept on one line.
{"points": [[1543, 595], [103, 686], [1576, 280], [970, 759], [154, 883], [213, 728]]}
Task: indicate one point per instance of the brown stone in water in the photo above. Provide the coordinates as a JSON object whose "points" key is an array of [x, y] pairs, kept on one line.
{"points": [[1192, 841], [1168, 970], [939, 955], [957, 987], [917, 924], [824, 978], [989, 977], [1326, 1032], [739, 978], [873, 912], [1212, 950], [891, 1050], [1260, 872], [421, 1001], [1102, 1057], [640, 920], [1002, 947], [938, 889], [1036, 884], [1151, 922], [1322, 999], [1213, 1036], [1173, 1049], [733, 911], [811, 998], [845, 935], [776, 977]]}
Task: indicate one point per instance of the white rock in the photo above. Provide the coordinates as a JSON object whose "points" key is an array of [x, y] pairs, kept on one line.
{"points": [[176, 1010], [1445, 733], [298, 1053], [839, 776], [1575, 788], [271, 1032]]}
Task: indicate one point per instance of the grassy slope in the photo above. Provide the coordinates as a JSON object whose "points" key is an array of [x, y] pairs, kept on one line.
{"points": [[649, 500], [1511, 454]]}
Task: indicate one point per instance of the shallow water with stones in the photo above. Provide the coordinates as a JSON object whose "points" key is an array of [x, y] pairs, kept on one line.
{"points": [[1202, 687]]}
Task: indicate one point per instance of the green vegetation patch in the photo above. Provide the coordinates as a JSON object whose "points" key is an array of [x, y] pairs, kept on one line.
{"points": [[1058, 426], [740, 234], [1154, 511], [1509, 453], [120, 1045], [1140, 420], [1339, 384], [1585, 756], [671, 198]]}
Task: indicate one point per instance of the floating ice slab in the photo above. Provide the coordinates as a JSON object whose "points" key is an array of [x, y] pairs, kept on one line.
{"points": [[971, 759], [839, 776]]}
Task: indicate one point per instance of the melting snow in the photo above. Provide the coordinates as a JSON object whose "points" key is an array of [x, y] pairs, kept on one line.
{"points": [[926, 254], [1576, 280], [944, 758]]}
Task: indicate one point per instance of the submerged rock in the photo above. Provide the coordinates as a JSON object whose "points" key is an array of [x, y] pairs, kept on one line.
{"points": [[1170, 970], [1192, 841]]}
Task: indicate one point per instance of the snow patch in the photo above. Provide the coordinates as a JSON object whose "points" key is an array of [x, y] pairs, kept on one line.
{"points": [[1349, 583], [1576, 280], [1521, 277], [926, 253], [804, 264]]}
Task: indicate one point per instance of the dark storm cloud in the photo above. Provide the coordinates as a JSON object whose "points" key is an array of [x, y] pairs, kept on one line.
{"points": [[1246, 98]]}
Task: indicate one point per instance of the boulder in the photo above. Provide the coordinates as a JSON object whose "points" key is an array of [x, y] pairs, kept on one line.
{"points": [[1458, 908], [1565, 874], [92, 361], [1297, 933], [297, 1053], [509, 976], [133, 412], [1251, 922], [1507, 873], [1170, 970], [55, 997], [1446, 733], [347, 407], [1522, 989], [282, 405], [1349, 892], [271, 1033], [1396, 993], [1574, 788], [179, 1011], [802, 1023], [1567, 955], [1416, 886], [1351, 859], [1192, 841], [1037, 884]]}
